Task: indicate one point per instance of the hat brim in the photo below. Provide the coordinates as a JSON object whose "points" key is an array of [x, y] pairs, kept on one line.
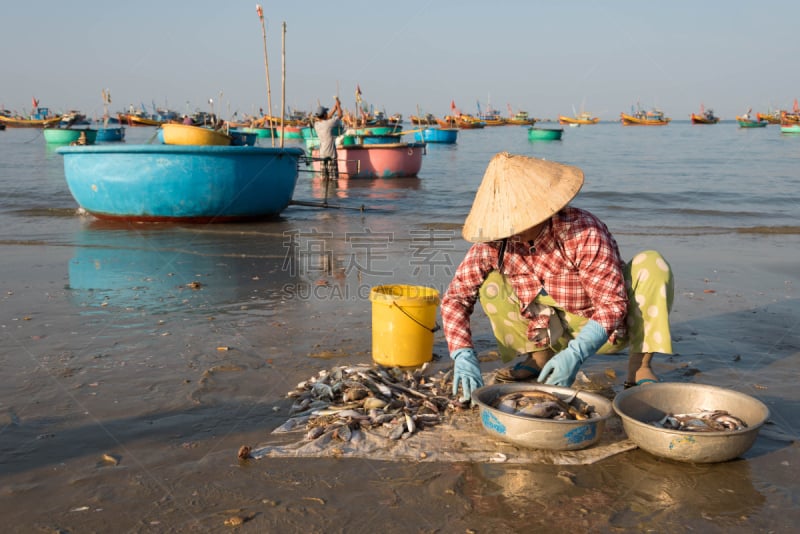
{"points": [[517, 193]]}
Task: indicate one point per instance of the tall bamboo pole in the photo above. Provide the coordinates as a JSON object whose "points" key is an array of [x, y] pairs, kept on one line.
{"points": [[283, 78], [266, 68]]}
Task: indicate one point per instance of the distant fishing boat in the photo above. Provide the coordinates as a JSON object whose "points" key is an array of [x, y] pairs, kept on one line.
{"points": [[426, 119], [138, 119], [706, 116], [772, 117], [40, 118], [179, 183], [654, 117], [583, 117], [490, 117], [746, 122], [790, 122], [790, 128], [520, 118], [791, 116], [465, 122]]}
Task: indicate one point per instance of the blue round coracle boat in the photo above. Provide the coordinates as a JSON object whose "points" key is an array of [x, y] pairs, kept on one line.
{"points": [[105, 135], [181, 183], [437, 135]]}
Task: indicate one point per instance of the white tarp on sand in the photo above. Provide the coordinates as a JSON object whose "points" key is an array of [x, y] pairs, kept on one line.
{"points": [[460, 438]]}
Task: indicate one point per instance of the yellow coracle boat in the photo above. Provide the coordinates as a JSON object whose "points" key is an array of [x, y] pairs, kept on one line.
{"points": [[184, 134], [583, 118]]}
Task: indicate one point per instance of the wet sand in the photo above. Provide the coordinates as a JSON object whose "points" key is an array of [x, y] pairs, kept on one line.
{"points": [[131, 421]]}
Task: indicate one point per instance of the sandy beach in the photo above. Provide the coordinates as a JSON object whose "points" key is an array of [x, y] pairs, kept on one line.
{"points": [[137, 360], [133, 424]]}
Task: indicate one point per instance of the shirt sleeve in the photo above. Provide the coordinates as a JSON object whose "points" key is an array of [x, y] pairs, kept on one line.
{"points": [[458, 302]]}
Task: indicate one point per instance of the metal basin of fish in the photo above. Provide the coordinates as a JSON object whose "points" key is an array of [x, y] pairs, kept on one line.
{"points": [[639, 407], [536, 433]]}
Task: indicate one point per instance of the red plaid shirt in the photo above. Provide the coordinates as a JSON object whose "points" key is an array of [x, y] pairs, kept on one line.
{"points": [[575, 260]]}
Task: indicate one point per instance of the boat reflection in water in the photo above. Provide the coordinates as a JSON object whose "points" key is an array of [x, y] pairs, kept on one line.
{"points": [[379, 188], [187, 269]]}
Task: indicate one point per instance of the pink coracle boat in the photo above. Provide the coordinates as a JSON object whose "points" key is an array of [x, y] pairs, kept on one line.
{"points": [[393, 160]]}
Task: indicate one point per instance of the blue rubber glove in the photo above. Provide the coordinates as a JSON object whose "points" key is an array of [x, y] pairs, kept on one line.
{"points": [[466, 372], [562, 368]]}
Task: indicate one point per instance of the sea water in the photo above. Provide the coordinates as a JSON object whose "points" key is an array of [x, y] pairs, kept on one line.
{"points": [[680, 183]]}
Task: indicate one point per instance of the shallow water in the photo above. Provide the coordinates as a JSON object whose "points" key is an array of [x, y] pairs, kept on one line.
{"points": [[107, 349]]}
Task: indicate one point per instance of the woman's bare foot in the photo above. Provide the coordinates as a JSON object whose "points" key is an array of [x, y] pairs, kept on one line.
{"points": [[639, 370], [527, 369]]}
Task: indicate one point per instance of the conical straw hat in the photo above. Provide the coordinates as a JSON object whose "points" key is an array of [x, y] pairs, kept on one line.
{"points": [[517, 193]]}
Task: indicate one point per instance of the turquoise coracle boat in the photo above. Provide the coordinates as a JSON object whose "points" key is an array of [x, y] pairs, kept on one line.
{"points": [[545, 134], [437, 135], [181, 183], [65, 136]]}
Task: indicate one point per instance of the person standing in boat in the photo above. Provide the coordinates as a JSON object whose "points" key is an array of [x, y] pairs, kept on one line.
{"points": [[326, 124], [551, 280]]}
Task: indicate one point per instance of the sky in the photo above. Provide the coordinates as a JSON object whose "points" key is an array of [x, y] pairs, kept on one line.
{"points": [[549, 58]]}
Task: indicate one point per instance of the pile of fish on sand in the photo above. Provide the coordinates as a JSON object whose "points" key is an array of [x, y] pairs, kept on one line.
{"points": [[392, 402], [543, 405], [701, 421]]}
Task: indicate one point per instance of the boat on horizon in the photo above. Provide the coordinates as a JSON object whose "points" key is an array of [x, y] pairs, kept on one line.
{"points": [[138, 118], [747, 122], [428, 119], [584, 117], [520, 118], [772, 117], [40, 117], [653, 117], [790, 127], [464, 122], [706, 116]]}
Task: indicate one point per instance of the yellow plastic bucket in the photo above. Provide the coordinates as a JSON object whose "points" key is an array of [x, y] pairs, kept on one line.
{"points": [[403, 323]]}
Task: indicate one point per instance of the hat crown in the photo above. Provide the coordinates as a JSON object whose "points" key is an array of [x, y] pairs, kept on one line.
{"points": [[518, 192]]}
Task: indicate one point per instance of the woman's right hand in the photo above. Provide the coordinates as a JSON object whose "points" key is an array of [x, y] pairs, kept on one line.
{"points": [[466, 372]]}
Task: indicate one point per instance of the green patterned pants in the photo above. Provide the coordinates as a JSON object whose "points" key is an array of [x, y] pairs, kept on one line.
{"points": [[650, 286]]}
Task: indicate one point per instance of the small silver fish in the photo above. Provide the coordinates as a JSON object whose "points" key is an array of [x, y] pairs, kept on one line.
{"points": [[542, 410], [701, 421]]}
